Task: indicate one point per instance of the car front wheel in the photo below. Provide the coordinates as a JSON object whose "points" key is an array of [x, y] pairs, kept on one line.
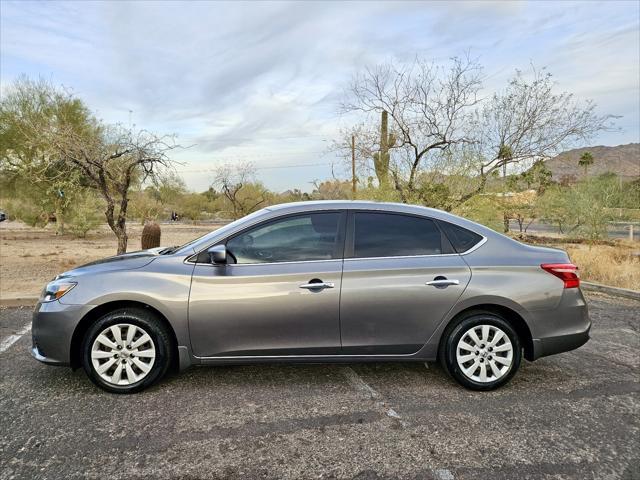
{"points": [[126, 351], [482, 352]]}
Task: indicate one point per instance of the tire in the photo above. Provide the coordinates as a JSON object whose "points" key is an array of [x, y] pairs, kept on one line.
{"points": [[133, 363], [498, 348]]}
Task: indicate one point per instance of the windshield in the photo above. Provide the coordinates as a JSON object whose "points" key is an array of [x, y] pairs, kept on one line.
{"points": [[204, 239]]}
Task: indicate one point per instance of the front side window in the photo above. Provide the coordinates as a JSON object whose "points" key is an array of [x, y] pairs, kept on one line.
{"points": [[292, 239], [392, 235]]}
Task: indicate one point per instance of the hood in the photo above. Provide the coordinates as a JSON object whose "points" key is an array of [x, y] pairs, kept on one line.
{"points": [[126, 261]]}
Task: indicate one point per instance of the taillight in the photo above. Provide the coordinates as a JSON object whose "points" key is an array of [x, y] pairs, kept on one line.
{"points": [[567, 272]]}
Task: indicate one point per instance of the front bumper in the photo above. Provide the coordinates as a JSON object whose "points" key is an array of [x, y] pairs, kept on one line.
{"points": [[53, 324], [35, 353]]}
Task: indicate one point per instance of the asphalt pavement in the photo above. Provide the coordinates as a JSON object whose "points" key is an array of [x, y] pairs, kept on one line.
{"points": [[570, 416]]}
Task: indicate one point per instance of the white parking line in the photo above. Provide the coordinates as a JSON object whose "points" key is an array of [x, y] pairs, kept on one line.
{"points": [[11, 339], [444, 474], [359, 384]]}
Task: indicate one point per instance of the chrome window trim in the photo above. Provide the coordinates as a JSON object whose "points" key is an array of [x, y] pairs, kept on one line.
{"points": [[266, 263], [477, 245], [403, 256]]}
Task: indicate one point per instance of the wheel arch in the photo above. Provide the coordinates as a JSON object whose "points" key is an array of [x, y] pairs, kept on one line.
{"points": [[510, 315], [101, 310]]}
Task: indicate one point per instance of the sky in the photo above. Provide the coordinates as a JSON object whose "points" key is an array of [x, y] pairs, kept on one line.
{"points": [[262, 81]]}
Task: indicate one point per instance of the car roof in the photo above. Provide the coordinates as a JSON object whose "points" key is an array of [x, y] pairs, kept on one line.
{"points": [[274, 211], [314, 205], [350, 204]]}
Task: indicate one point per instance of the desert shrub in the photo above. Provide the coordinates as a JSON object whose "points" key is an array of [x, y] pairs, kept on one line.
{"points": [[484, 209], [378, 194], [85, 216], [143, 206], [28, 212], [195, 207], [555, 207], [590, 199]]}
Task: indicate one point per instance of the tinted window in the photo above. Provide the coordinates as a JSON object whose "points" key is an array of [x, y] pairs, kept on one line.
{"points": [[292, 239], [461, 239], [387, 235]]}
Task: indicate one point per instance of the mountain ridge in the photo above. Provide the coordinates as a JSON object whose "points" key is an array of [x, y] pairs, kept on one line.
{"points": [[623, 160]]}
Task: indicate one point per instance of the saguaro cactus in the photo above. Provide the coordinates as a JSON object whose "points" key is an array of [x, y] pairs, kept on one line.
{"points": [[381, 158], [150, 235]]}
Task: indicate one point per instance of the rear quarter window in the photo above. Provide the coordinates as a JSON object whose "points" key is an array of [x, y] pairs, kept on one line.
{"points": [[460, 238]]}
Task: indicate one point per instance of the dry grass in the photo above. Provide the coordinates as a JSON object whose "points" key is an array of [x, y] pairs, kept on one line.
{"points": [[618, 266], [609, 262]]}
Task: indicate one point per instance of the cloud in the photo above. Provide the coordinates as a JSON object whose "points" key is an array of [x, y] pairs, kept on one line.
{"points": [[262, 80]]}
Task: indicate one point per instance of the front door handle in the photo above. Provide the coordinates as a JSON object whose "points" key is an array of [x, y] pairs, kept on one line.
{"points": [[442, 282], [318, 285]]}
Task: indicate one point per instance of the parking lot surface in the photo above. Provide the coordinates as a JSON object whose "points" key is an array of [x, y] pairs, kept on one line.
{"points": [[571, 416]]}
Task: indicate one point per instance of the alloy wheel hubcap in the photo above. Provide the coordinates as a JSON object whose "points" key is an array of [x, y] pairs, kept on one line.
{"points": [[484, 353], [123, 354]]}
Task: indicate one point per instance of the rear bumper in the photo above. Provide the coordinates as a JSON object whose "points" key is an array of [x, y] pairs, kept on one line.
{"points": [[562, 343], [562, 329]]}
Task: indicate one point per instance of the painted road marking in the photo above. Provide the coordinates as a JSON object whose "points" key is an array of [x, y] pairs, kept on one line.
{"points": [[359, 384], [444, 474], [11, 339]]}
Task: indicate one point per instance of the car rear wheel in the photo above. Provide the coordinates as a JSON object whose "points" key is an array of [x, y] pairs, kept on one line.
{"points": [[481, 352], [126, 350]]}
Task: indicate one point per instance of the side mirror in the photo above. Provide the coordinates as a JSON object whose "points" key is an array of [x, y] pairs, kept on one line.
{"points": [[218, 254]]}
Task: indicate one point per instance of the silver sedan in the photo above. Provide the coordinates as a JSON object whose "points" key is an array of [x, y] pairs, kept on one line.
{"points": [[317, 282]]}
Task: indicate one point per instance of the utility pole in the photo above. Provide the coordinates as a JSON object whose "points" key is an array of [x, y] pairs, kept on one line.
{"points": [[353, 165]]}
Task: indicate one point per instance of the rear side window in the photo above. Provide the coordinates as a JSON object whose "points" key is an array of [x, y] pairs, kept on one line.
{"points": [[390, 235], [460, 238]]}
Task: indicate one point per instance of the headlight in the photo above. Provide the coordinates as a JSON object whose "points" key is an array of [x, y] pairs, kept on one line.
{"points": [[55, 290]]}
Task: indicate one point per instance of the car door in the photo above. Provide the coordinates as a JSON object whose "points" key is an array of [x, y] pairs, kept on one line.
{"points": [[279, 296], [400, 278]]}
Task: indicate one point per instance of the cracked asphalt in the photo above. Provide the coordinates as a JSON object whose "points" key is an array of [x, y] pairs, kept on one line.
{"points": [[570, 416]]}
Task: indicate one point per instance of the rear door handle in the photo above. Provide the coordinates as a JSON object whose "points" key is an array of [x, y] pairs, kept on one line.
{"points": [[318, 285], [443, 282]]}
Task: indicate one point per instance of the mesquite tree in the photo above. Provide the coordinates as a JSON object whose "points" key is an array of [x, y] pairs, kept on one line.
{"points": [[239, 189], [428, 105], [526, 122], [70, 141], [113, 159], [29, 167]]}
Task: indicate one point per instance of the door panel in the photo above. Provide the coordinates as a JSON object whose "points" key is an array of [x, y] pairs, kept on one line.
{"points": [[386, 306], [390, 303], [261, 309], [267, 301]]}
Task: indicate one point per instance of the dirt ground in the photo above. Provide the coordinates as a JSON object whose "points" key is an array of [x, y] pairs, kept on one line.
{"points": [[30, 257]]}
